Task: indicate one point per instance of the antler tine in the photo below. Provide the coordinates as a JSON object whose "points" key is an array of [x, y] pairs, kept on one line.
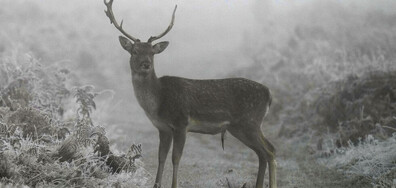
{"points": [[110, 14], [153, 38]]}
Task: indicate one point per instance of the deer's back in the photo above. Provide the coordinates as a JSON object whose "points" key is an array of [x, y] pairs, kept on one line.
{"points": [[212, 100]]}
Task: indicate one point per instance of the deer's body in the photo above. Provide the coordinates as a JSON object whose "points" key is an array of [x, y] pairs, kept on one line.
{"points": [[202, 106], [177, 105]]}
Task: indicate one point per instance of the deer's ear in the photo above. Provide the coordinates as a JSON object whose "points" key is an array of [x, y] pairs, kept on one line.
{"points": [[126, 43], [159, 47]]}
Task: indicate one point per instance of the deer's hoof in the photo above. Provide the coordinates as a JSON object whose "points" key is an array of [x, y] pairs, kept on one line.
{"points": [[157, 185]]}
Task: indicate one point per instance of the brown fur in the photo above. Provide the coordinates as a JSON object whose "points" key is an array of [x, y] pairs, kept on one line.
{"points": [[179, 105]]}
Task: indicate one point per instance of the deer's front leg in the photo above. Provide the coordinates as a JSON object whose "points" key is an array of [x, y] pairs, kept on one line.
{"points": [[164, 146], [179, 138]]}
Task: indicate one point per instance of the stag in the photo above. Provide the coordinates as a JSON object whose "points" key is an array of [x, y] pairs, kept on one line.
{"points": [[178, 105]]}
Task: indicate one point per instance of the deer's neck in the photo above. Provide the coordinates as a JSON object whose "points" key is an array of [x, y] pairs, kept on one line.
{"points": [[147, 89]]}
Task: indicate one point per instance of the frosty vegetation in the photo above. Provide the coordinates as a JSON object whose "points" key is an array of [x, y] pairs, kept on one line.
{"points": [[42, 148], [334, 81]]}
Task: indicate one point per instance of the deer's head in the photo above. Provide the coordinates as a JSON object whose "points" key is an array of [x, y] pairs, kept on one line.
{"points": [[142, 53]]}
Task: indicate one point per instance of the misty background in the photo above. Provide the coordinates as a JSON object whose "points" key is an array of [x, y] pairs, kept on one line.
{"points": [[210, 39]]}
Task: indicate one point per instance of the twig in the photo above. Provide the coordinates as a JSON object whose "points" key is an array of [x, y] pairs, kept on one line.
{"points": [[391, 128], [228, 183]]}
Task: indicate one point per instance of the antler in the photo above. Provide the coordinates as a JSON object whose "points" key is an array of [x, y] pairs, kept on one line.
{"points": [[153, 38], [110, 14]]}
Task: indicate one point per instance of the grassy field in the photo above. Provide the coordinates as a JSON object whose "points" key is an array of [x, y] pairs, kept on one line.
{"points": [[66, 97]]}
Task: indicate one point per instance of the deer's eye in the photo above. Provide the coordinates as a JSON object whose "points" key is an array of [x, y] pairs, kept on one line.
{"points": [[134, 52]]}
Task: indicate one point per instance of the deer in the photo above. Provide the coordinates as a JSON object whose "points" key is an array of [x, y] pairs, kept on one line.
{"points": [[177, 105]]}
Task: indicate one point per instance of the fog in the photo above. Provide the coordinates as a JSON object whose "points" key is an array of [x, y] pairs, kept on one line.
{"points": [[210, 39], [204, 41]]}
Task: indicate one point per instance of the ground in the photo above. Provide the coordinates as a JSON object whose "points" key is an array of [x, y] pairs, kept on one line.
{"points": [[205, 164]]}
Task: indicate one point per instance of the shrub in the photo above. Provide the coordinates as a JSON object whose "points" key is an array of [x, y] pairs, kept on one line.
{"points": [[370, 158], [39, 148]]}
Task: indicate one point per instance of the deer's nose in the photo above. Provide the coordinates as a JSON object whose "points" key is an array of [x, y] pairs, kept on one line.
{"points": [[145, 65]]}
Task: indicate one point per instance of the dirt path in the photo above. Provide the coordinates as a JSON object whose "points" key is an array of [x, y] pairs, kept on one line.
{"points": [[205, 165]]}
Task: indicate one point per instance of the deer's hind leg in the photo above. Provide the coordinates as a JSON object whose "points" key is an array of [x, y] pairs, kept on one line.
{"points": [[271, 159], [252, 137]]}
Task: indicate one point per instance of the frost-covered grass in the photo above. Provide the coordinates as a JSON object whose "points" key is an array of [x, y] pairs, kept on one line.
{"points": [[47, 135], [370, 158]]}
